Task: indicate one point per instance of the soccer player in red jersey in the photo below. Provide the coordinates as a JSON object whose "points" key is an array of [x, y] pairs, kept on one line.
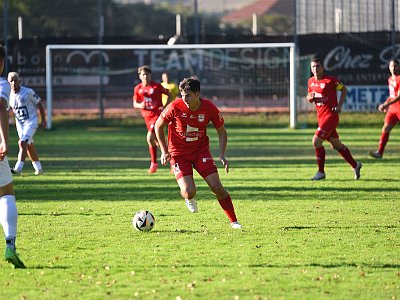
{"points": [[391, 106], [147, 96], [189, 147], [322, 90]]}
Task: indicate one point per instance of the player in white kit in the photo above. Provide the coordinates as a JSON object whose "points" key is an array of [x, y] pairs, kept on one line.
{"points": [[8, 207], [25, 104]]}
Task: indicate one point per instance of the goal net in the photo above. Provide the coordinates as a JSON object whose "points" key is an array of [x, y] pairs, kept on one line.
{"points": [[237, 77]]}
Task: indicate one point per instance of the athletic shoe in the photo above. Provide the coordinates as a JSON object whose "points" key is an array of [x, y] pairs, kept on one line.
{"points": [[153, 168], [16, 171], [192, 205], [12, 257], [357, 170], [236, 225], [38, 172], [375, 154], [318, 176]]}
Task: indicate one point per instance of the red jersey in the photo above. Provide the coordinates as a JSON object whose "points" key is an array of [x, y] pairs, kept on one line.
{"points": [[187, 129], [325, 94], [151, 95], [394, 87]]}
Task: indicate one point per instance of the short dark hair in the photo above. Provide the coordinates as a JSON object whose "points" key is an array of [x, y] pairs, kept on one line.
{"points": [[144, 68], [190, 84], [2, 51], [316, 60]]}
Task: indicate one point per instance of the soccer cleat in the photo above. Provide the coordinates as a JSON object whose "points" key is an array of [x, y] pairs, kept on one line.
{"points": [[357, 170], [12, 257], [153, 168], [192, 205], [38, 172], [375, 154], [236, 225], [16, 171], [318, 176]]}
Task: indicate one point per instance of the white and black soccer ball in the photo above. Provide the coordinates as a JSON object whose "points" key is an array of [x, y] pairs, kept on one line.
{"points": [[143, 220]]}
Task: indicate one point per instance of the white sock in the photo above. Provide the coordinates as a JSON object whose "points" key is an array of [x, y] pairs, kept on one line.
{"points": [[19, 165], [8, 216], [37, 165]]}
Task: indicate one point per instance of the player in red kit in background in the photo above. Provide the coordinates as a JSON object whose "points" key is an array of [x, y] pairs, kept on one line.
{"points": [[322, 90], [189, 147], [391, 106], [147, 96]]}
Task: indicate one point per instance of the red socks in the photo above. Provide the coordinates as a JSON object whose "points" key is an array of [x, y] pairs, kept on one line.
{"points": [[383, 141], [320, 154], [153, 154], [228, 208], [345, 153]]}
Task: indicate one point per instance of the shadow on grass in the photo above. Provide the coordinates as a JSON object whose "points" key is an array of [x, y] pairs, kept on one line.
{"points": [[329, 266], [290, 228]]}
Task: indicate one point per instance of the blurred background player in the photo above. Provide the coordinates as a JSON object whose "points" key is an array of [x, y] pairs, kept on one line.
{"points": [[170, 86], [322, 90], [189, 147], [25, 104], [8, 207], [391, 106], [147, 97]]}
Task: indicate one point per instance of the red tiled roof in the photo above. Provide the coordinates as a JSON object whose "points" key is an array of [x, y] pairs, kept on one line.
{"points": [[260, 7]]}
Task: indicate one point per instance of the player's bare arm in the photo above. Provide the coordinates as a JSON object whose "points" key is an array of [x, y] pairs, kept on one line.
{"points": [[42, 115], [342, 98], [137, 104], [3, 128], [311, 97], [383, 107], [160, 134], [223, 141]]}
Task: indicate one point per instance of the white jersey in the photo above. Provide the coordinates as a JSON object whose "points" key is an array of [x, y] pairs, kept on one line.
{"points": [[24, 104], [5, 89], [5, 173]]}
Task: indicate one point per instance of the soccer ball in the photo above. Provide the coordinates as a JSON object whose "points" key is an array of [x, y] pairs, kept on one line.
{"points": [[143, 220]]}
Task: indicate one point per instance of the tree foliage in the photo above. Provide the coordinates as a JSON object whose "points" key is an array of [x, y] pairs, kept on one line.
{"points": [[80, 19]]}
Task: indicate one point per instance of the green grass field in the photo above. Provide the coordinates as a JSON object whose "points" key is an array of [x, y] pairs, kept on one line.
{"points": [[333, 239]]}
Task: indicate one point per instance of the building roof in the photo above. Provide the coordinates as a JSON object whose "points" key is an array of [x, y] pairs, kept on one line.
{"points": [[259, 7]]}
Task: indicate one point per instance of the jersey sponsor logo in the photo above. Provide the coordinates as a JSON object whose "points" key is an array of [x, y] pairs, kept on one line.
{"points": [[192, 116], [201, 117], [184, 115]]}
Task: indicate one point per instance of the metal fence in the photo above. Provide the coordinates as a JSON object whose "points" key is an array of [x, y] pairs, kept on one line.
{"points": [[339, 16]]}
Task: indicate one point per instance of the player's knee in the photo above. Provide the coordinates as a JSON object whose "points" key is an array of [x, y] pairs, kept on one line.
{"points": [[23, 143], [188, 193], [386, 128]]}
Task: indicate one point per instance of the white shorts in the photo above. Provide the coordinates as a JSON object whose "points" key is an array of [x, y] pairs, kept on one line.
{"points": [[5, 172], [26, 131]]}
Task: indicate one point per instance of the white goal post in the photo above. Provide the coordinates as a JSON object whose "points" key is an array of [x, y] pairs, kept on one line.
{"points": [[238, 66]]}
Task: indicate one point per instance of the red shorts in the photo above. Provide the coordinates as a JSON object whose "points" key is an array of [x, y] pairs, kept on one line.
{"points": [[392, 117], [201, 161], [327, 128], [150, 119]]}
